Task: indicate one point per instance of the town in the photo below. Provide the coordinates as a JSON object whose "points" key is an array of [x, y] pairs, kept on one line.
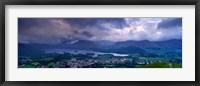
{"points": [[88, 61]]}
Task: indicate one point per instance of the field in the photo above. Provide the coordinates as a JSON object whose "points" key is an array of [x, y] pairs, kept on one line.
{"points": [[161, 65]]}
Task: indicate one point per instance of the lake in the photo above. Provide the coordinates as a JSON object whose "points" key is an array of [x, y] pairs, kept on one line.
{"points": [[62, 51]]}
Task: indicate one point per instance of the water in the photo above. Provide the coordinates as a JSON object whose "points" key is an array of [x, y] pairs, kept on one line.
{"points": [[62, 51]]}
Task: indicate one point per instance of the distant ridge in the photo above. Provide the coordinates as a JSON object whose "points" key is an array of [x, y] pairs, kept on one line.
{"points": [[125, 47]]}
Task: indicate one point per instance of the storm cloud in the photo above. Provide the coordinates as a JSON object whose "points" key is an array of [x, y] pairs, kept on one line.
{"points": [[170, 23], [59, 30]]}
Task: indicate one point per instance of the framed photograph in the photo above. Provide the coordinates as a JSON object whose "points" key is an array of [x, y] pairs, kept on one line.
{"points": [[100, 42]]}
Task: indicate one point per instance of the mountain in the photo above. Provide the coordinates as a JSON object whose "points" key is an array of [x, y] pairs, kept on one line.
{"points": [[84, 44], [104, 43], [145, 46], [174, 43], [32, 50], [139, 44], [125, 47]]}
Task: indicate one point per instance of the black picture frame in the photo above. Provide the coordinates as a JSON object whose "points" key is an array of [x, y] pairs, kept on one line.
{"points": [[98, 2]]}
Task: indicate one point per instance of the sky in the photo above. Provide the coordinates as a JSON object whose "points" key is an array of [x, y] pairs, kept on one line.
{"points": [[59, 30]]}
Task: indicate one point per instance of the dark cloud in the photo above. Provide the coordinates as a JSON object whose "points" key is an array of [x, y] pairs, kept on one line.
{"points": [[84, 22], [59, 30], [26, 23], [87, 34], [170, 23], [51, 29]]}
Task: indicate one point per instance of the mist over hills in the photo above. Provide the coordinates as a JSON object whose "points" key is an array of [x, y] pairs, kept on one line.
{"points": [[124, 47]]}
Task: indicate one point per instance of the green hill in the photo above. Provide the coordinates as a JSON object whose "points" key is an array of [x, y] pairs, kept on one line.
{"points": [[161, 65]]}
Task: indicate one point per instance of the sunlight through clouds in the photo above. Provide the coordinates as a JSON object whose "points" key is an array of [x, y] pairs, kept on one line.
{"points": [[57, 30]]}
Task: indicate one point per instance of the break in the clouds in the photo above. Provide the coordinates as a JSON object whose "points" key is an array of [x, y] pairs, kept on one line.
{"points": [[59, 30]]}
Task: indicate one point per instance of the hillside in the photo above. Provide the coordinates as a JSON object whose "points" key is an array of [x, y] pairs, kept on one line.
{"points": [[146, 48], [161, 65]]}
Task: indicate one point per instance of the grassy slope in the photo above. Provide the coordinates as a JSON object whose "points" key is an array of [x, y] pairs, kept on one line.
{"points": [[161, 65], [27, 66]]}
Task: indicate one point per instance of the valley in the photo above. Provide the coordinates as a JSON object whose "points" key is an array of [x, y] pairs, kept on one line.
{"points": [[90, 54]]}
